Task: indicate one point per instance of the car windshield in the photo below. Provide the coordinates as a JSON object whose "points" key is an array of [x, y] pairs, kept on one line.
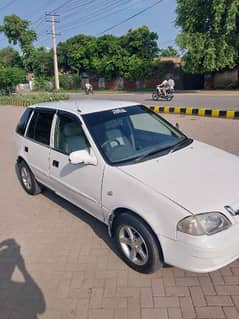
{"points": [[132, 134]]}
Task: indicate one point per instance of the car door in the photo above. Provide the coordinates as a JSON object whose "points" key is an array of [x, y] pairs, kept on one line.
{"points": [[80, 184], [36, 146]]}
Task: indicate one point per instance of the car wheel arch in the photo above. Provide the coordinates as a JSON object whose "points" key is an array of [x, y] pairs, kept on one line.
{"points": [[37, 186], [20, 159], [121, 210]]}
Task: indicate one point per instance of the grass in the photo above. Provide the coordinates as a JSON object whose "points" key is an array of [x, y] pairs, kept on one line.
{"points": [[33, 98]]}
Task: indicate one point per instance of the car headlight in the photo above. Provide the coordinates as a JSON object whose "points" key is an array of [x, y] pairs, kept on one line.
{"points": [[204, 224]]}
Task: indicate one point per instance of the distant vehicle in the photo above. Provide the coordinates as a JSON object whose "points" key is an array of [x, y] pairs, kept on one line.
{"points": [[165, 197], [88, 88], [159, 95]]}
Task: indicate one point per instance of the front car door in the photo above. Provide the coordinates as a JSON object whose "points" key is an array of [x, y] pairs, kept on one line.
{"points": [[80, 184], [37, 143]]}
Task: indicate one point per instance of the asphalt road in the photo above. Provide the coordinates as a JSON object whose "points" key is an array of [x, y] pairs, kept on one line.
{"points": [[224, 100]]}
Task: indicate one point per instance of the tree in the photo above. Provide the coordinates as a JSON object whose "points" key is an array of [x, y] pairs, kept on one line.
{"points": [[137, 68], [168, 52], [10, 57], [17, 31], [209, 36], [141, 42], [109, 56], [75, 54], [100, 56], [10, 77], [39, 61]]}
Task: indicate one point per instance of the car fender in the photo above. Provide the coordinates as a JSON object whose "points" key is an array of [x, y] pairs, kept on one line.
{"points": [[121, 191]]}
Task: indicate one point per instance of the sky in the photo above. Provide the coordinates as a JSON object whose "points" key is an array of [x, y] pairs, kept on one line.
{"points": [[93, 17]]}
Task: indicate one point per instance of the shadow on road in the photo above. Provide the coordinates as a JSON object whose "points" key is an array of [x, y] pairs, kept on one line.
{"points": [[98, 227], [17, 299]]}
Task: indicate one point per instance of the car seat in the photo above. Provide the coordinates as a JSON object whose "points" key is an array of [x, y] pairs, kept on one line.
{"points": [[73, 138]]}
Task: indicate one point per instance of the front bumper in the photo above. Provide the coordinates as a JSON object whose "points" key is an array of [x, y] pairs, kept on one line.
{"points": [[202, 253]]}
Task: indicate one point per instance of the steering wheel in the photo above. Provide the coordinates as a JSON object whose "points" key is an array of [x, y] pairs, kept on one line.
{"points": [[110, 141]]}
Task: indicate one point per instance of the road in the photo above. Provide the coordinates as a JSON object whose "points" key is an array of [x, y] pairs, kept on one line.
{"points": [[224, 100], [58, 261]]}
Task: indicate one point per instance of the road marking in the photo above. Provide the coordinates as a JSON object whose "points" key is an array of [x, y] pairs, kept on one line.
{"points": [[231, 114]]}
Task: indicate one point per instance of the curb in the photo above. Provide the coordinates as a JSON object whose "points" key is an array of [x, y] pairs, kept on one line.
{"points": [[230, 114]]}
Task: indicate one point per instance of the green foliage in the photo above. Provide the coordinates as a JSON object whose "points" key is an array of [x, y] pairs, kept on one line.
{"points": [[109, 56], [10, 58], [10, 77], [66, 82], [168, 52], [74, 54], [141, 43], [17, 31], [30, 99], [39, 61], [108, 60], [209, 34], [137, 69], [40, 83], [69, 81]]}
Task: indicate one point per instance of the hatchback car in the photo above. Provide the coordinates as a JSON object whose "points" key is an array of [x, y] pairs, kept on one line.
{"points": [[165, 197]]}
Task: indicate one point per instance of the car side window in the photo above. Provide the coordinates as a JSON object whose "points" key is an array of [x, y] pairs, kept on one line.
{"points": [[69, 136], [40, 127], [21, 126]]}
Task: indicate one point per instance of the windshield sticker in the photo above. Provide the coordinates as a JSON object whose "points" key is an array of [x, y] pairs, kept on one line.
{"points": [[118, 111]]}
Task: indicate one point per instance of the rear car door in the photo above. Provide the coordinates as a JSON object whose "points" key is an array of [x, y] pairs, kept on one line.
{"points": [[81, 184], [37, 143]]}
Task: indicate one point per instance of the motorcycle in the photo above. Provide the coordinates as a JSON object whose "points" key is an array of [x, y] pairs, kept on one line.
{"points": [[158, 95]]}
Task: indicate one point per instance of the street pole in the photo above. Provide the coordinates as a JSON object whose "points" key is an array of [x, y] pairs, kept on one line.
{"points": [[53, 33]]}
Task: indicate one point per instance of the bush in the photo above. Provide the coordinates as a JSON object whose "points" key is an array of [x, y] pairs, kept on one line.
{"points": [[65, 81], [42, 84], [26, 100], [69, 81], [9, 78]]}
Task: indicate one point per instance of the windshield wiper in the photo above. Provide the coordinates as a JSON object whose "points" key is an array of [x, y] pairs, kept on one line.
{"points": [[185, 142], [165, 150], [154, 151]]}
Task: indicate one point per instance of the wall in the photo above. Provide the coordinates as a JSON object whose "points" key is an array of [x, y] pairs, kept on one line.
{"points": [[223, 79], [226, 79]]}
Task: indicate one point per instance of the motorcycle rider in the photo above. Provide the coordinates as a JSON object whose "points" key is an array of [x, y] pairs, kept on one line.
{"points": [[88, 88], [163, 87], [171, 84]]}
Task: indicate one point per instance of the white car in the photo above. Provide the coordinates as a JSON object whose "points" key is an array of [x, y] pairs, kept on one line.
{"points": [[165, 197]]}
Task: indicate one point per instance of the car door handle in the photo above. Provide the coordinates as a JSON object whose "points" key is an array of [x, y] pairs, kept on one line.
{"points": [[55, 163]]}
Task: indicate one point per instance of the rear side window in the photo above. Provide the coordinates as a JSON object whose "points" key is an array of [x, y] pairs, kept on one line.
{"points": [[40, 127], [21, 126]]}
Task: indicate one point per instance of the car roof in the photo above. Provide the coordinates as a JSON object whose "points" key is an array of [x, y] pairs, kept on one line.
{"points": [[85, 106]]}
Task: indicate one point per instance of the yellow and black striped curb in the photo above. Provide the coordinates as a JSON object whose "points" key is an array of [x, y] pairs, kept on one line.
{"points": [[230, 114]]}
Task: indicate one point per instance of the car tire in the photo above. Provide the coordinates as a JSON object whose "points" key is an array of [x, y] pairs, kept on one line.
{"points": [[27, 179], [137, 244]]}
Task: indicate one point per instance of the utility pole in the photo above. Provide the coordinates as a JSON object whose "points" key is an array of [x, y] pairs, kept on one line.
{"points": [[53, 33]]}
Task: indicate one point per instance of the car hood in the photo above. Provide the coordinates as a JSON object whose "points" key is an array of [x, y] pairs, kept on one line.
{"points": [[199, 177]]}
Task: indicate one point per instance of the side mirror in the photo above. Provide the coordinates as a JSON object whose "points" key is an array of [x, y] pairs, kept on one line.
{"points": [[82, 157], [177, 126]]}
